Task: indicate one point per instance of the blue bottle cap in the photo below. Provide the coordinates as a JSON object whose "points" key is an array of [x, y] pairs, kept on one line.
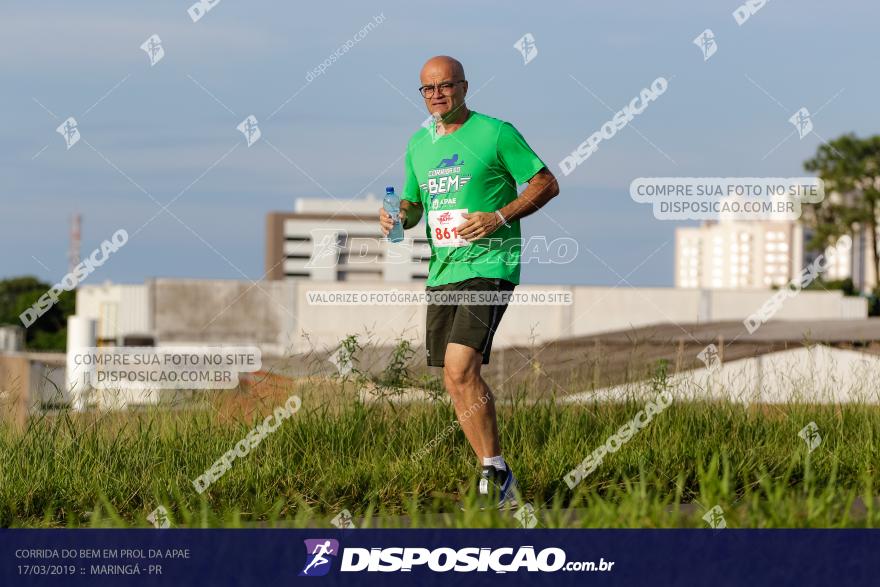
{"points": [[389, 190]]}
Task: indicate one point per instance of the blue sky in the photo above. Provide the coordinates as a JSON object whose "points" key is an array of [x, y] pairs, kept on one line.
{"points": [[171, 126]]}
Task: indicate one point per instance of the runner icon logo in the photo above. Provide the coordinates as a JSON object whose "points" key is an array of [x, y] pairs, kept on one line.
{"points": [[451, 162], [318, 553]]}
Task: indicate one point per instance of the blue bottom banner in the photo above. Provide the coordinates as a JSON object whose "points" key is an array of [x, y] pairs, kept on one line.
{"points": [[429, 557]]}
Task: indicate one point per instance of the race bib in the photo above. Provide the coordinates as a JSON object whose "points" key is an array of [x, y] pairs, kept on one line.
{"points": [[444, 224]]}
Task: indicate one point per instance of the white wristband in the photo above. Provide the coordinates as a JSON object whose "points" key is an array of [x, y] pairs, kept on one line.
{"points": [[503, 220]]}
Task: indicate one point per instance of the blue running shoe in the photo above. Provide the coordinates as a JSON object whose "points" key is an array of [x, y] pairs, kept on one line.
{"points": [[498, 489]]}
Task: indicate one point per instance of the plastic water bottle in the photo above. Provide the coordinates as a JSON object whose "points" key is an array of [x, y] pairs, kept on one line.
{"points": [[392, 206]]}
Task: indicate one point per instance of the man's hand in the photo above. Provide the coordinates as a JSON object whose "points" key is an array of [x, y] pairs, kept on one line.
{"points": [[386, 222], [478, 225]]}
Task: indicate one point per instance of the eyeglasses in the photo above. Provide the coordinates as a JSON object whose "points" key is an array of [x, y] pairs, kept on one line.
{"points": [[446, 88]]}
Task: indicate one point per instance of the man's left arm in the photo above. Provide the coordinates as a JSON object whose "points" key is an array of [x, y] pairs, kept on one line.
{"points": [[524, 166], [541, 188]]}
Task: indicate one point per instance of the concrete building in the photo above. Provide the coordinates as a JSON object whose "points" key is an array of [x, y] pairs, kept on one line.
{"points": [[857, 263], [123, 313], [11, 339], [738, 255], [192, 311], [30, 382], [764, 254], [860, 265], [840, 265], [331, 240]]}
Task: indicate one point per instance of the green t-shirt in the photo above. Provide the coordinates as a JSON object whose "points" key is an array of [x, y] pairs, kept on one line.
{"points": [[475, 169]]}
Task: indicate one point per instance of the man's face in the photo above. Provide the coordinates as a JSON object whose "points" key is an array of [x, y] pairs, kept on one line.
{"points": [[439, 102]]}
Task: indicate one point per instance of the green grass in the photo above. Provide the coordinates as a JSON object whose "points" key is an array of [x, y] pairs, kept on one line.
{"points": [[91, 470]]}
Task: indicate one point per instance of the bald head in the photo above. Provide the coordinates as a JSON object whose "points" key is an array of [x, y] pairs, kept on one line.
{"points": [[442, 65], [448, 102]]}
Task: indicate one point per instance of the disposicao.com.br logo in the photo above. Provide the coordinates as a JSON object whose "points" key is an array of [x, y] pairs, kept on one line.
{"points": [[441, 560]]}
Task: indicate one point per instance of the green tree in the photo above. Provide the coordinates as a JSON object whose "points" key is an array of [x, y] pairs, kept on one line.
{"points": [[49, 331], [850, 169]]}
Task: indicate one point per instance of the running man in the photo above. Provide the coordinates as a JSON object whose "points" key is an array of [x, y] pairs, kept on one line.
{"points": [[320, 550], [464, 170]]}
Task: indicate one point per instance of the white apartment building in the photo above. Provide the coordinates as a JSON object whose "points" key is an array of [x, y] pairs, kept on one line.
{"points": [[840, 265], [339, 240], [855, 262], [738, 254]]}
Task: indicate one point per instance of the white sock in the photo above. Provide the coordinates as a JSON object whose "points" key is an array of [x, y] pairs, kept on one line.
{"points": [[497, 462]]}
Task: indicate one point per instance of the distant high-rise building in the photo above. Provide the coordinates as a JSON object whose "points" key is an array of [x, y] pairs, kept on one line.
{"points": [[339, 240], [842, 259], [856, 259], [863, 269], [738, 254]]}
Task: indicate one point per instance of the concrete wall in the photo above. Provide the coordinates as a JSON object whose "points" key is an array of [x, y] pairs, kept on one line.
{"points": [[328, 325], [190, 311], [808, 305], [606, 309], [817, 374], [594, 310], [276, 315]]}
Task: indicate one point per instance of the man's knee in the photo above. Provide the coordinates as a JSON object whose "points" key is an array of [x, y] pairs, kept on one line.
{"points": [[461, 367], [457, 375]]}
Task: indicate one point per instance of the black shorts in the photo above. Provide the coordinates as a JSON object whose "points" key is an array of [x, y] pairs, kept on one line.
{"points": [[469, 325]]}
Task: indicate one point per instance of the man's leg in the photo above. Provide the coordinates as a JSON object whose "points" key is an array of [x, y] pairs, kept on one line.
{"points": [[467, 346], [472, 399]]}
